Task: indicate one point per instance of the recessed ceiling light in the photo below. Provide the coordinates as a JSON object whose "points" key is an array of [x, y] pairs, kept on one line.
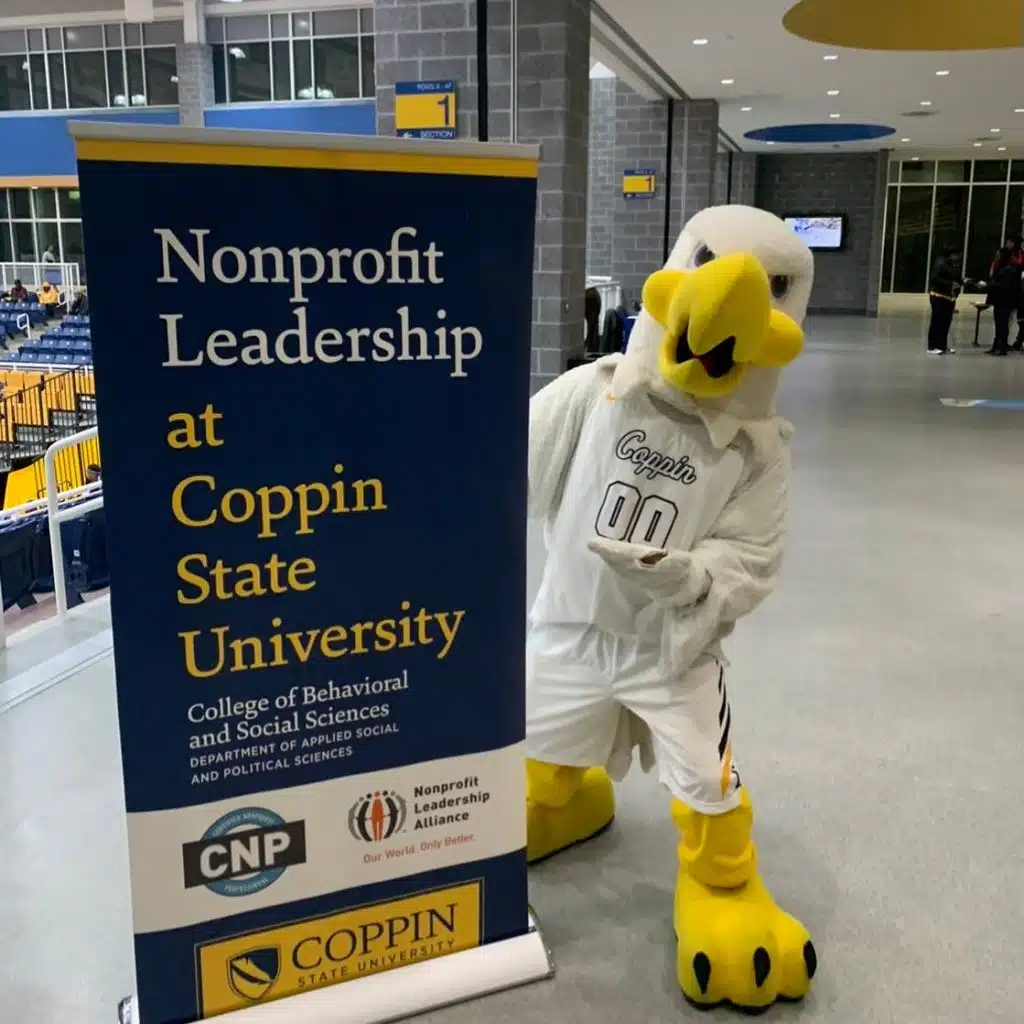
{"points": [[904, 140], [832, 92], [700, 42], [926, 103], [994, 130], [977, 145], [1002, 149], [833, 116], [915, 158], [831, 56], [1018, 110], [746, 110], [769, 143], [942, 74], [728, 81]]}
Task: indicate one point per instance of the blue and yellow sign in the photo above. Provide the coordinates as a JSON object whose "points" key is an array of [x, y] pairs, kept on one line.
{"points": [[425, 110], [639, 184], [315, 485]]}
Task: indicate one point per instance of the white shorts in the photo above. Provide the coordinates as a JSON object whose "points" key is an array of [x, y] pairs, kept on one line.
{"points": [[592, 697]]}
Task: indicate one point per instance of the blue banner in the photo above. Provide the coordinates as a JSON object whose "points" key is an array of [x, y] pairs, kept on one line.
{"points": [[312, 373]]}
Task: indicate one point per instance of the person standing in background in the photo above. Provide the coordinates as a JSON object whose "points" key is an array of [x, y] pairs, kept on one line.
{"points": [[943, 287], [1004, 290]]}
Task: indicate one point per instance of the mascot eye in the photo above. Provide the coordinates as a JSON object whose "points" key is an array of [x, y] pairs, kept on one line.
{"points": [[703, 255], [780, 286]]}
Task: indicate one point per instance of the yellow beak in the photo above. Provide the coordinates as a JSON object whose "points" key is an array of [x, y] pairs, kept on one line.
{"points": [[718, 320]]}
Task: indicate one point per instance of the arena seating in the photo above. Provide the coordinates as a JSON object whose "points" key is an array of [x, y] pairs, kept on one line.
{"points": [[68, 344]]}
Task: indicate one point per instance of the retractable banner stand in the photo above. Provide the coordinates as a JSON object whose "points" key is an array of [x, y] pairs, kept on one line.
{"points": [[312, 371]]}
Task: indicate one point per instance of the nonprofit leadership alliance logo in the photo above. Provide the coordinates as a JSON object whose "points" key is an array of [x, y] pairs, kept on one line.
{"points": [[243, 852], [377, 817], [250, 969]]}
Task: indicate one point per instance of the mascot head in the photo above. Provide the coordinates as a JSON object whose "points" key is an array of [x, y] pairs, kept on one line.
{"points": [[724, 316]]}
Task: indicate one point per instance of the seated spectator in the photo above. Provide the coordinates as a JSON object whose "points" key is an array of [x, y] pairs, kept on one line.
{"points": [[80, 305], [49, 298], [92, 473], [18, 293]]}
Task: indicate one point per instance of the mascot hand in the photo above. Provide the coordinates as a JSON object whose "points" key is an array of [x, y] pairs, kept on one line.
{"points": [[669, 577]]}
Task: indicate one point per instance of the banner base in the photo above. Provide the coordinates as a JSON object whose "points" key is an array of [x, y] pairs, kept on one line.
{"points": [[404, 992]]}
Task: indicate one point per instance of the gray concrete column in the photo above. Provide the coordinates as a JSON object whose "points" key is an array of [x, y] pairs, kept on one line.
{"points": [[694, 156], [602, 188], [641, 142], [431, 40], [552, 108], [422, 40], [195, 82], [744, 178]]}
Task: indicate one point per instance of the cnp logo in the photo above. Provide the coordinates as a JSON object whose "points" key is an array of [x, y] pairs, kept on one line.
{"points": [[244, 852], [377, 816], [252, 974]]}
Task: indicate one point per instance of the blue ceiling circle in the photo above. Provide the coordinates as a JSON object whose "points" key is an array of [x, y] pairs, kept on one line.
{"points": [[811, 133]]}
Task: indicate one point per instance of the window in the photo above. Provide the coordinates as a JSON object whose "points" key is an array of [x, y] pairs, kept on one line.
{"points": [[44, 203], [89, 67], [14, 88], [972, 207], [985, 231], [32, 220], [249, 72], [910, 273], [303, 56]]}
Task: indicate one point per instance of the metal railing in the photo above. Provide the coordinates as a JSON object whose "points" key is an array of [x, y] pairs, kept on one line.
{"points": [[57, 515], [65, 276], [47, 407]]}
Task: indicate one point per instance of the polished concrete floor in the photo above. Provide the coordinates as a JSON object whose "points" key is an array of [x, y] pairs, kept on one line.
{"points": [[877, 710]]}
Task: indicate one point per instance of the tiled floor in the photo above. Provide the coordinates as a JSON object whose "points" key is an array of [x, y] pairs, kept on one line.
{"points": [[878, 702]]}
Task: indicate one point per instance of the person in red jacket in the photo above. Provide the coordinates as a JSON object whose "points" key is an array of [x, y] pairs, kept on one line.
{"points": [[1013, 244]]}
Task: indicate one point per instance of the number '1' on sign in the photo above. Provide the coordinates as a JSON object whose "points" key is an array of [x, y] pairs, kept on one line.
{"points": [[425, 110]]}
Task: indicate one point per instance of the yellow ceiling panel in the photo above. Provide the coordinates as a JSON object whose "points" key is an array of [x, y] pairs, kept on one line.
{"points": [[913, 25]]}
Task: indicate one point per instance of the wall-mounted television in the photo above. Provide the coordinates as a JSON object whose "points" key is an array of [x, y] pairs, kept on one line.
{"points": [[820, 232]]}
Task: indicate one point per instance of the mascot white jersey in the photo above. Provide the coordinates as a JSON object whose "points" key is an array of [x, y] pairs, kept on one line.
{"points": [[662, 480]]}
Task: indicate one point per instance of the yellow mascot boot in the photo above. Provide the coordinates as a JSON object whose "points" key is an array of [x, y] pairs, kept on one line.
{"points": [[735, 945], [565, 806]]}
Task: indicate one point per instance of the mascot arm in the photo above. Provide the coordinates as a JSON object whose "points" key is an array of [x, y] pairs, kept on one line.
{"points": [[738, 563], [557, 413], [731, 571]]}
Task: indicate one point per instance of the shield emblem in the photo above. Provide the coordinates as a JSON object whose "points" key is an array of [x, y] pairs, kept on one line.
{"points": [[252, 974]]}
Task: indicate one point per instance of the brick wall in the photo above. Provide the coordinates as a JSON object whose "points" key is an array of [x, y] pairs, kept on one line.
{"points": [[425, 41], [695, 154], [744, 178], [641, 139], [848, 183], [722, 176], [602, 187]]}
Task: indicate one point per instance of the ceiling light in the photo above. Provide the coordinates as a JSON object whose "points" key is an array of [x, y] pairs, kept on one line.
{"points": [[769, 143], [915, 158], [831, 56], [926, 103], [904, 140], [832, 92], [942, 74], [834, 116], [994, 129], [728, 81], [1002, 149], [1018, 110], [700, 42], [746, 110], [977, 145]]}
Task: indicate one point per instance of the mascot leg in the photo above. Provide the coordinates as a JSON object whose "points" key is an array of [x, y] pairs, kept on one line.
{"points": [[735, 944], [565, 806]]}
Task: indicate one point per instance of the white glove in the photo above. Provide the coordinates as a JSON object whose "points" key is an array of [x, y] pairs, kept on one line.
{"points": [[670, 577]]}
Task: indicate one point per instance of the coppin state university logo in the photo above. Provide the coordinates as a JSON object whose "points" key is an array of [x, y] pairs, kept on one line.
{"points": [[252, 974], [377, 816]]}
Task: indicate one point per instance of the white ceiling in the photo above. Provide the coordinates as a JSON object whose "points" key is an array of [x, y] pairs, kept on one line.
{"points": [[784, 80]]}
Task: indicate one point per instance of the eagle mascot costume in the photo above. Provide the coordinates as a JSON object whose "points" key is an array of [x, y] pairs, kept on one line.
{"points": [[662, 480]]}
